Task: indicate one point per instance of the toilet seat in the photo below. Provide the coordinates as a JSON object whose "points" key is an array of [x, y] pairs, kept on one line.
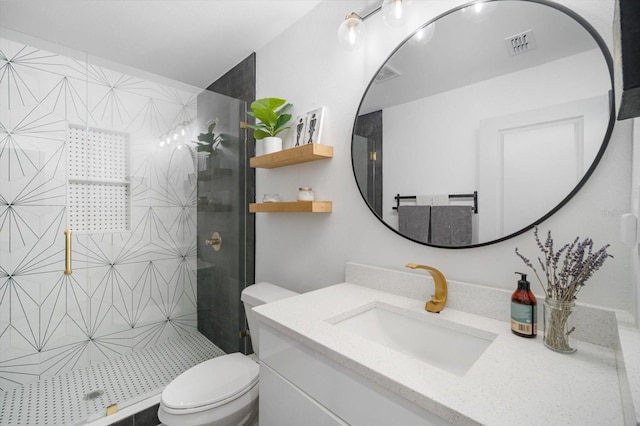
{"points": [[210, 384]]}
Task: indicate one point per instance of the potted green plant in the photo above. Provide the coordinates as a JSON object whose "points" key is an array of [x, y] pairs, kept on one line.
{"points": [[209, 142], [207, 146], [273, 116]]}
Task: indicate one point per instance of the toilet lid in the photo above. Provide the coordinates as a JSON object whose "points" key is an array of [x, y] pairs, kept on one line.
{"points": [[211, 382]]}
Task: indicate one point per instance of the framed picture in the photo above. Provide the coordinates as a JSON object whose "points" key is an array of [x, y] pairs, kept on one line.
{"points": [[299, 130], [313, 129]]}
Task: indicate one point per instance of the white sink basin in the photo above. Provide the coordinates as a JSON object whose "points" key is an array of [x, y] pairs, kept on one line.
{"points": [[441, 343]]}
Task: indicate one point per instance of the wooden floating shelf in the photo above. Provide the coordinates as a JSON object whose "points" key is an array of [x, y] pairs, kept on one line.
{"points": [[297, 155], [292, 207]]}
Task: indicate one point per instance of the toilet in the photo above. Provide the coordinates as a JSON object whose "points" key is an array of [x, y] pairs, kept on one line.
{"points": [[224, 390]]}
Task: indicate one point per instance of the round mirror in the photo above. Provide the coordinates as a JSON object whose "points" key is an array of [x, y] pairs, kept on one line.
{"points": [[484, 123]]}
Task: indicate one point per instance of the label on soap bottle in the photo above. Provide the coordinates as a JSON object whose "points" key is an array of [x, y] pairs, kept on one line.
{"points": [[524, 319]]}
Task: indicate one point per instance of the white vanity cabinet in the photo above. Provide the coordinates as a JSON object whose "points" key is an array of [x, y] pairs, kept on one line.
{"points": [[358, 379], [299, 386], [283, 404]]}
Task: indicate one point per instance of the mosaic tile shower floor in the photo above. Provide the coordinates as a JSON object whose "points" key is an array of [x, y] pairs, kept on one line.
{"points": [[60, 400]]}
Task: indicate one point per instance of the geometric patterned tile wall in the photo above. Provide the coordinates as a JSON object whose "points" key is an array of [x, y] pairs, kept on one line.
{"points": [[128, 289]]}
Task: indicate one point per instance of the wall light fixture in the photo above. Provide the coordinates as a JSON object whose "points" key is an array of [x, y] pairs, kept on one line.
{"points": [[352, 32], [181, 135]]}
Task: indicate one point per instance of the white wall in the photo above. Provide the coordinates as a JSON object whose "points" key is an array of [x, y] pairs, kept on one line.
{"points": [[304, 252]]}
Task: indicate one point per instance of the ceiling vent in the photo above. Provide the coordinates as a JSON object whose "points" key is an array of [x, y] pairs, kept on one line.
{"points": [[520, 43], [386, 73]]}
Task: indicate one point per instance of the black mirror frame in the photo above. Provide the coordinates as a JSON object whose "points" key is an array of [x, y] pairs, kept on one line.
{"points": [[612, 110]]}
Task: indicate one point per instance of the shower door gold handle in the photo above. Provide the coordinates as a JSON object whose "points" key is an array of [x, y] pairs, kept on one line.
{"points": [[67, 252]]}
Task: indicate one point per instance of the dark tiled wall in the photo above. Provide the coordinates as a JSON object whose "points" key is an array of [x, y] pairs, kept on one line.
{"points": [[220, 315], [239, 82], [369, 126]]}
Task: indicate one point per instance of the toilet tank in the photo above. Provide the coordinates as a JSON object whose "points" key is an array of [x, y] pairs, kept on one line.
{"points": [[256, 295]]}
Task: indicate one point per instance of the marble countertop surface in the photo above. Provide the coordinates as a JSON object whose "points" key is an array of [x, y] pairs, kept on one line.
{"points": [[515, 381]]}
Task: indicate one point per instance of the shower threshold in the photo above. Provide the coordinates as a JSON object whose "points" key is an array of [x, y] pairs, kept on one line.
{"points": [[133, 381]]}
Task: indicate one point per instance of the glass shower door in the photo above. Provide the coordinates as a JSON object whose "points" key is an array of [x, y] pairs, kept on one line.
{"points": [[222, 216], [112, 158], [83, 148], [42, 292]]}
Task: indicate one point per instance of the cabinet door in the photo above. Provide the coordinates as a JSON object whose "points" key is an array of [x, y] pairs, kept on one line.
{"points": [[282, 404], [355, 400]]}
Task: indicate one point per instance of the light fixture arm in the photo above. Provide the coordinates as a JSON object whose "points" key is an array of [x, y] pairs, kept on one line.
{"points": [[373, 12]]}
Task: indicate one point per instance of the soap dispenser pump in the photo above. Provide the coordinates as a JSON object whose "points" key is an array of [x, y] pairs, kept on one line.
{"points": [[524, 312]]}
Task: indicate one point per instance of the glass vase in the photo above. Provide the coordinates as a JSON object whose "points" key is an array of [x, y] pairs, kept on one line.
{"points": [[559, 328]]}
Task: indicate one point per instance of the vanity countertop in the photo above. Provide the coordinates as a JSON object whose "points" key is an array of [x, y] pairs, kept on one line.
{"points": [[515, 381]]}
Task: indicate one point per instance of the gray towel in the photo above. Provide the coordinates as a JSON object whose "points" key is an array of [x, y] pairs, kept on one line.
{"points": [[451, 225], [413, 222]]}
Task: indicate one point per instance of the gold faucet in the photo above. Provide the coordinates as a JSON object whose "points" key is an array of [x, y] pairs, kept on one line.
{"points": [[437, 302]]}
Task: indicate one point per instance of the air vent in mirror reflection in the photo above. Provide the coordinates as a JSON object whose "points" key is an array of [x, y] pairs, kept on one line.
{"points": [[386, 73], [520, 43]]}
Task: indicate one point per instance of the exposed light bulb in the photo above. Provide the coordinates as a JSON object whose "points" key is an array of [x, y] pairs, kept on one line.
{"points": [[395, 12], [352, 32]]}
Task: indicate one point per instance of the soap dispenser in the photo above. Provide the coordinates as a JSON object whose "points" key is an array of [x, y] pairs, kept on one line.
{"points": [[524, 312]]}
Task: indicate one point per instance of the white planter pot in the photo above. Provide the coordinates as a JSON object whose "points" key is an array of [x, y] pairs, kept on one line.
{"points": [[203, 159], [272, 144]]}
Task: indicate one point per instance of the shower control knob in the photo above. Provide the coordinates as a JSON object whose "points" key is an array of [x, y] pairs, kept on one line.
{"points": [[215, 242]]}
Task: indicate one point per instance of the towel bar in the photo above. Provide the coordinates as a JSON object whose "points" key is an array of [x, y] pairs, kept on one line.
{"points": [[474, 196]]}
